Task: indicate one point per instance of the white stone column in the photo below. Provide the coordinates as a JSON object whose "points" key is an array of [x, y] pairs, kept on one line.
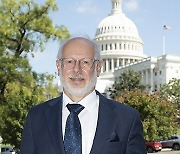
{"points": [[101, 69], [147, 81], [112, 65], [108, 46], [113, 47], [151, 80], [142, 75], [117, 62], [107, 65], [123, 61]]}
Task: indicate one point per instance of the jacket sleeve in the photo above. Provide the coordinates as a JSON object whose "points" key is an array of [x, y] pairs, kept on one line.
{"points": [[27, 145], [136, 142]]}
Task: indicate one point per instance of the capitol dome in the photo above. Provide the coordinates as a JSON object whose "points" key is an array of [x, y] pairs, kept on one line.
{"points": [[119, 42], [118, 39], [117, 25]]}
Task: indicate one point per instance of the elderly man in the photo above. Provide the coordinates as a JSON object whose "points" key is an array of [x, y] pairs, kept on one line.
{"points": [[81, 120]]}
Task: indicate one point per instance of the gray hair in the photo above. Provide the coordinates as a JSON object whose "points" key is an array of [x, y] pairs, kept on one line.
{"points": [[85, 38]]}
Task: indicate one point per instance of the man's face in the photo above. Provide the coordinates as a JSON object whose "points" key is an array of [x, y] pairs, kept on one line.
{"points": [[78, 81]]}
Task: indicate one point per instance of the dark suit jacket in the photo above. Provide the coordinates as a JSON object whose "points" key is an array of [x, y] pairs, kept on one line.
{"points": [[119, 129]]}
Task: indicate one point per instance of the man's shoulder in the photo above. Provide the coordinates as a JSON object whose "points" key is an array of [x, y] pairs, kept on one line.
{"points": [[44, 105]]}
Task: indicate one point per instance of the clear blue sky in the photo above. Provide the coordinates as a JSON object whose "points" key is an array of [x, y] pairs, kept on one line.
{"points": [[83, 17]]}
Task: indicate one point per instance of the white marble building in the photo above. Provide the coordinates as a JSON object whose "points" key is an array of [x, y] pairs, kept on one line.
{"points": [[155, 71], [122, 48]]}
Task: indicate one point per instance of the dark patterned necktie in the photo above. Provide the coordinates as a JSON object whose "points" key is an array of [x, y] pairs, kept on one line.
{"points": [[73, 137]]}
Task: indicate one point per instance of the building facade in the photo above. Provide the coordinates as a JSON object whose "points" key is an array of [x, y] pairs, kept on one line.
{"points": [[122, 49], [155, 71]]}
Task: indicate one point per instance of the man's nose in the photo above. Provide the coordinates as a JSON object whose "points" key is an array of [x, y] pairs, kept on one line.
{"points": [[77, 66]]}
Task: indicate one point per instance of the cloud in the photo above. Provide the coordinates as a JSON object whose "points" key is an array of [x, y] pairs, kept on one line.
{"points": [[86, 6], [132, 5]]}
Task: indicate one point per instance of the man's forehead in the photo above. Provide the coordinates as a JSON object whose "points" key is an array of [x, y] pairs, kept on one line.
{"points": [[79, 47], [78, 44], [79, 40]]}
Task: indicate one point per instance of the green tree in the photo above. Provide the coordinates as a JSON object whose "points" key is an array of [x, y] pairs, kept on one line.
{"points": [[157, 114], [20, 98], [46, 81], [171, 91], [23, 89], [128, 80], [12, 69], [25, 27]]}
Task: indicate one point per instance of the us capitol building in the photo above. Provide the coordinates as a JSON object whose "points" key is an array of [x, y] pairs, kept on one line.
{"points": [[122, 49]]}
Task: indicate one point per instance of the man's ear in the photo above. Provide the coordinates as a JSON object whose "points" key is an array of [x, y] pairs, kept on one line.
{"points": [[58, 65], [99, 66]]}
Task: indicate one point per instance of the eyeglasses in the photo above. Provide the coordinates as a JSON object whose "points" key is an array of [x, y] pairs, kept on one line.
{"points": [[85, 63]]}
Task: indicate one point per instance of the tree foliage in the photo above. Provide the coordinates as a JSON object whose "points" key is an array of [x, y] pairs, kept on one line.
{"points": [[171, 90], [157, 114], [128, 80], [25, 27], [20, 98], [12, 69]]}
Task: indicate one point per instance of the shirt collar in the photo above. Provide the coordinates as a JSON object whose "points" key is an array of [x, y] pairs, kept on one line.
{"points": [[88, 102]]}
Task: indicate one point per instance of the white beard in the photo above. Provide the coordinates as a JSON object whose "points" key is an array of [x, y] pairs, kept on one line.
{"points": [[79, 92]]}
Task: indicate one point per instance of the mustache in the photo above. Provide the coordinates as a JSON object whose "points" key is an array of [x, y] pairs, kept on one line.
{"points": [[77, 76]]}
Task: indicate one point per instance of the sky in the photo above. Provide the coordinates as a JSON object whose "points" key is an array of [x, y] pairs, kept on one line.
{"points": [[83, 16]]}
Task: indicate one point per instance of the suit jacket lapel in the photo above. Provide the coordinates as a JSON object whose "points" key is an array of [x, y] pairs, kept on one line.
{"points": [[54, 121], [106, 121]]}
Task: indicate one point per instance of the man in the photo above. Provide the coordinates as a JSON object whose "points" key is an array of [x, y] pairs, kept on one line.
{"points": [[103, 126]]}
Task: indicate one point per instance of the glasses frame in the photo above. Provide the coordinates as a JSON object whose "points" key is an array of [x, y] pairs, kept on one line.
{"points": [[78, 60]]}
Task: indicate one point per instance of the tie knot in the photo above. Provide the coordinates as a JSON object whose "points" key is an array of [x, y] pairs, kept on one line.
{"points": [[76, 108]]}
